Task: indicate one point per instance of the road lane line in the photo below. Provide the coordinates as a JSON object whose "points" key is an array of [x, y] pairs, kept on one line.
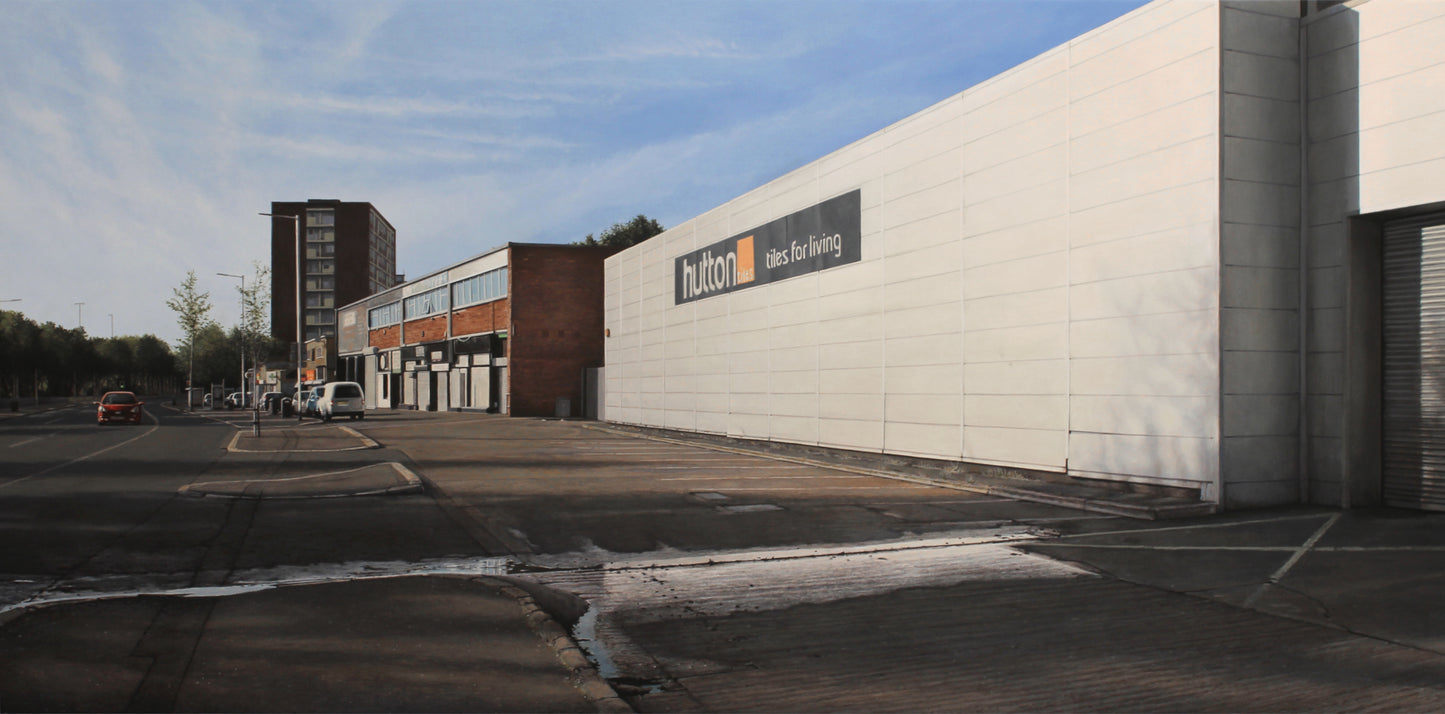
{"points": [[33, 439], [87, 457]]}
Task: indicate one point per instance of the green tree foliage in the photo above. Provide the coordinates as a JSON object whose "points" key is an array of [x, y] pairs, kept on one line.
{"points": [[193, 309], [255, 327], [49, 360], [623, 235]]}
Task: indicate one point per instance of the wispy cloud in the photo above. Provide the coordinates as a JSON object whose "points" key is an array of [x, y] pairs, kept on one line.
{"points": [[139, 139], [396, 106]]}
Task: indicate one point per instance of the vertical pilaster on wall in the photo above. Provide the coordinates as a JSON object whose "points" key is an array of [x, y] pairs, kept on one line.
{"points": [[1263, 346], [1364, 367], [1303, 427]]}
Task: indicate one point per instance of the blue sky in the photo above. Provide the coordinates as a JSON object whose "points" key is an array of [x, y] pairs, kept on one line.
{"points": [[139, 140]]}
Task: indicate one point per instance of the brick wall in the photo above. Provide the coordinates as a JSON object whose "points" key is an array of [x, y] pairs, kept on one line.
{"points": [[427, 329], [386, 337], [487, 317], [556, 324]]}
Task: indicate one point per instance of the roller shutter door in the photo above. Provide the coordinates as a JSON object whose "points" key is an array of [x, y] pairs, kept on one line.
{"points": [[1414, 366]]}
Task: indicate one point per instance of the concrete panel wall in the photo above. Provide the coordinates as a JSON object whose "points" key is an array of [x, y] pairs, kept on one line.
{"points": [[1144, 272], [1259, 276], [1376, 138], [1038, 286]]}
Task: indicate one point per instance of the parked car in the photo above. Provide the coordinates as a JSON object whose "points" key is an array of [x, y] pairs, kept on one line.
{"points": [[119, 406], [236, 400], [311, 396], [342, 399], [271, 402]]}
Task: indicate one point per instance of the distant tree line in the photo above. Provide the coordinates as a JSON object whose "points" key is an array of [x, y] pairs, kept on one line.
{"points": [[49, 360]]}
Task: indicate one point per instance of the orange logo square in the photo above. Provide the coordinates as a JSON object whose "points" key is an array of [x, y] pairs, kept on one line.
{"points": [[746, 272]]}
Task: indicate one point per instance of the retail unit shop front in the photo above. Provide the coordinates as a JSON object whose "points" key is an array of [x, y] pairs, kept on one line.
{"points": [[510, 331], [1182, 252]]}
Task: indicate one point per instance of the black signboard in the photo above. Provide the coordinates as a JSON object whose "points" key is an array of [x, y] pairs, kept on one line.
{"points": [[816, 238]]}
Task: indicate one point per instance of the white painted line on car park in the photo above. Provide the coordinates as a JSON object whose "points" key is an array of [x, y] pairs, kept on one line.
{"points": [[714, 468], [1289, 564], [814, 489], [1198, 526], [811, 477]]}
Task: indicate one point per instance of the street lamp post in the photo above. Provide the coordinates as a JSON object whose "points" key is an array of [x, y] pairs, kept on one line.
{"points": [[245, 388], [300, 345]]}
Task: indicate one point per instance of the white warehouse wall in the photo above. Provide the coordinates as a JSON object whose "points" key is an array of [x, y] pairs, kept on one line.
{"points": [[1376, 129], [1039, 284]]}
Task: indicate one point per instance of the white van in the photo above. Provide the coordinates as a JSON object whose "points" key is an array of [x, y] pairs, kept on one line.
{"points": [[341, 399]]}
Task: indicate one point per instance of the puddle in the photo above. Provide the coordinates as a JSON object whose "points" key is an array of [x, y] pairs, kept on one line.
{"points": [[20, 594], [626, 589], [630, 589]]}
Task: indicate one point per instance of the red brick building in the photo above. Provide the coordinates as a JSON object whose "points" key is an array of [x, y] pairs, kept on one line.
{"points": [[511, 331], [349, 252]]}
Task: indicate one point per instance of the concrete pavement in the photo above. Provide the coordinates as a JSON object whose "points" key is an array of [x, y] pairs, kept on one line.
{"points": [[1025, 609]]}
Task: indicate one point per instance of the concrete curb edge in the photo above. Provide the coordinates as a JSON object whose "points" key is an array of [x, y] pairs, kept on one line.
{"points": [[569, 653]]}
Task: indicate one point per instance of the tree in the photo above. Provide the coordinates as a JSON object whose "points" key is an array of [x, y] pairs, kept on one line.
{"points": [[192, 310], [256, 323], [54, 360], [624, 235], [155, 362]]}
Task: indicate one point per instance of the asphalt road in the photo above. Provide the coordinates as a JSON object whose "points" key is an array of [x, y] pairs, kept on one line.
{"points": [[100, 508], [697, 578]]}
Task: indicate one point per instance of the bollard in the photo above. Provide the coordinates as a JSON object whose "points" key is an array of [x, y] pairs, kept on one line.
{"points": [[255, 422]]}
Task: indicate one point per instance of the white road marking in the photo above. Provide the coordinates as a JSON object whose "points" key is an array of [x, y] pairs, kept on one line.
{"points": [[1289, 564], [86, 457], [33, 439], [819, 477]]}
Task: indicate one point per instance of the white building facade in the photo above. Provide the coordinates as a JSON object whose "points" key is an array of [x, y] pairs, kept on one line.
{"points": [[1161, 254]]}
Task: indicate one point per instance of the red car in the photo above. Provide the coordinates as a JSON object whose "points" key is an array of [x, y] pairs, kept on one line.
{"points": [[119, 406]]}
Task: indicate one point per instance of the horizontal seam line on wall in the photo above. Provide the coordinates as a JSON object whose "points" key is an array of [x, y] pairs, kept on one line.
{"points": [[1077, 320], [1126, 25], [1113, 164], [1081, 358], [1204, 181], [1072, 100], [1193, 268]]}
